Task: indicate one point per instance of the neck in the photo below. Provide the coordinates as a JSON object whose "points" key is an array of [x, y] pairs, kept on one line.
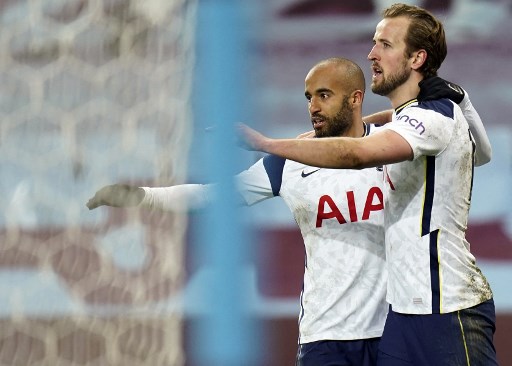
{"points": [[358, 128], [405, 92]]}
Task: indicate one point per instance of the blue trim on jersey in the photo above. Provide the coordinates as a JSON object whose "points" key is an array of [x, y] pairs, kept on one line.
{"points": [[302, 312], [430, 173], [366, 129], [274, 166], [435, 283], [473, 152], [442, 106], [370, 128]]}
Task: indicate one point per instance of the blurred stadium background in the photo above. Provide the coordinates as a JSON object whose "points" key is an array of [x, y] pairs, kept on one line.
{"points": [[94, 92]]}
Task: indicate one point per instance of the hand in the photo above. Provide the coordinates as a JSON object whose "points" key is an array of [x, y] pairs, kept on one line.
{"points": [[250, 139], [116, 195], [438, 88]]}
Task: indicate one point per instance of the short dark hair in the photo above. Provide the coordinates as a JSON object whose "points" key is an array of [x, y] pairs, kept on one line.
{"points": [[425, 32]]}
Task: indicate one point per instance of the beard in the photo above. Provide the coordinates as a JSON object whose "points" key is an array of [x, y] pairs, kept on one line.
{"points": [[337, 125], [394, 81]]}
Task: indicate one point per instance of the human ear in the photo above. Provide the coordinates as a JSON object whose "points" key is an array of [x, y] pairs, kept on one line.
{"points": [[419, 58], [357, 97]]}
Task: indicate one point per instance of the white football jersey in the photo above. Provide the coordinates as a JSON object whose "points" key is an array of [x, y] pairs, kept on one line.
{"points": [[431, 268], [340, 214]]}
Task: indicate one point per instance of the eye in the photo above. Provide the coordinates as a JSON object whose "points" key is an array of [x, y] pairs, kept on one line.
{"points": [[324, 95]]}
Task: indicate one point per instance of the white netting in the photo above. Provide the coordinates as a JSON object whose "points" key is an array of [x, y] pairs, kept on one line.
{"points": [[92, 92]]}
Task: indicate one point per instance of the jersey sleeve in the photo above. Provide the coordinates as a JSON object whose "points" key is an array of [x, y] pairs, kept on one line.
{"points": [[427, 131], [261, 181], [180, 198], [483, 150]]}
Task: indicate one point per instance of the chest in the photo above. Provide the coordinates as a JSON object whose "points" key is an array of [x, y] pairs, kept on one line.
{"points": [[333, 194]]}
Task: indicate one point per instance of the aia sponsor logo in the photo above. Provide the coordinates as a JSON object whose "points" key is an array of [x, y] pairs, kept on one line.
{"points": [[328, 209]]}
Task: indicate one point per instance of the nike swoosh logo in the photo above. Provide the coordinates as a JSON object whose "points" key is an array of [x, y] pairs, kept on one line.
{"points": [[304, 175]]}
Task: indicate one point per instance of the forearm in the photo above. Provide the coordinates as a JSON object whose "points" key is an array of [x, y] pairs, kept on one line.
{"points": [[379, 118], [336, 152], [180, 198], [383, 147]]}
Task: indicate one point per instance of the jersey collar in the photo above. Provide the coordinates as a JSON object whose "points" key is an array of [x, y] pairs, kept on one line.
{"points": [[366, 129], [405, 105]]}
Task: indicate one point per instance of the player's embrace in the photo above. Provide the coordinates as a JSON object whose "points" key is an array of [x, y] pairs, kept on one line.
{"points": [[442, 311], [339, 213]]}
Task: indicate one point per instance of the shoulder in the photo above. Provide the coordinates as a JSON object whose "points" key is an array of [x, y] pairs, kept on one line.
{"points": [[273, 162], [444, 107]]}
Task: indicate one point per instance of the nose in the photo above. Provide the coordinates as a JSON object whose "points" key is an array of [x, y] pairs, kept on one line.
{"points": [[313, 106], [373, 54]]}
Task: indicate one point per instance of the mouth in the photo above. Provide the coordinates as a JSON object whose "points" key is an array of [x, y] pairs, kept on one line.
{"points": [[317, 122], [376, 71]]}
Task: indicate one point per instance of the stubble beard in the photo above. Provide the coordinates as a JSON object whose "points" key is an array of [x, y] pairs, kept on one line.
{"points": [[389, 84], [339, 124]]}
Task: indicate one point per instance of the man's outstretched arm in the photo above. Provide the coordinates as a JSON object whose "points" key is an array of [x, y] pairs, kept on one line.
{"points": [[179, 198], [384, 147]]}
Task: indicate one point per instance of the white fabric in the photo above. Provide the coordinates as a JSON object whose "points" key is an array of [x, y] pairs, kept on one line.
{"points": [[344, 291], [343, 296], [483, 152], [180, 198], [437, 129], [345, 277]]}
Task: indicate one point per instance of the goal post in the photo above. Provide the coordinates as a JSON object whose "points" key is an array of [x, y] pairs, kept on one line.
{"points": [[223, 97]]}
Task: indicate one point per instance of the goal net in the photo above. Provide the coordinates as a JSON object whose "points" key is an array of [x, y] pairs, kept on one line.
{"points": [[93, 92]]}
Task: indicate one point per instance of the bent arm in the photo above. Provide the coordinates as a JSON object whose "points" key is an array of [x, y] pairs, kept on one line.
{"points": [[483, 151], [379, 118], [178, 198], [384, 147]]}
